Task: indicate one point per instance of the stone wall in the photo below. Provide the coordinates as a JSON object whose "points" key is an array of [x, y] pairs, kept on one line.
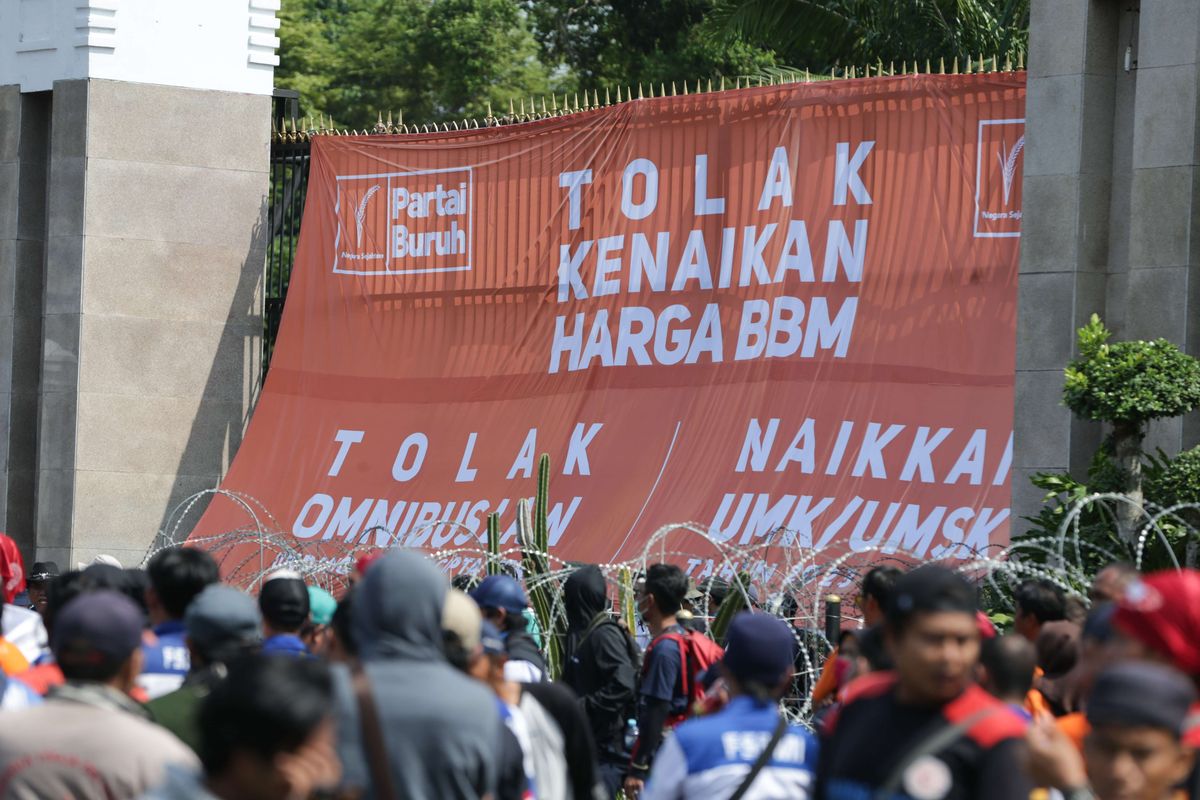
{"points": [[130, 270], [1110, 210]]}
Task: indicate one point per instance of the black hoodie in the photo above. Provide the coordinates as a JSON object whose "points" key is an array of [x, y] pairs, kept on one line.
{"points": [[599, 666]]}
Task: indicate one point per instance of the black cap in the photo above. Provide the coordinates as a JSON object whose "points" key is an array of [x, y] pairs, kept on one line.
{"points": [[1139, 693], [42, 571], [284, 603]]}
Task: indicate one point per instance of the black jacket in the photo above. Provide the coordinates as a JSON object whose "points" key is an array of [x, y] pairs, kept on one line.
{"points": [[599, 665]]}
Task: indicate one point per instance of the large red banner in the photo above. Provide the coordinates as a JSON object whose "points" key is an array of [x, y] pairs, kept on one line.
{"points": [[784, 313]]}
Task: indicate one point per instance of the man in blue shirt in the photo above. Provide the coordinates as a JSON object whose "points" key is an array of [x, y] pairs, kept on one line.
{"points": [[284, 604], [661, 701], [711, 757], [177, 574]]}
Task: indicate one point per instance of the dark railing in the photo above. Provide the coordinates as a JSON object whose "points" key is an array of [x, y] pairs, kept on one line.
{"points": [[285, 207]]}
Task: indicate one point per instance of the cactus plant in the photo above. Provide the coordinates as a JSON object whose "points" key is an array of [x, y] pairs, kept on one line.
{"points": [[493, 544], [535, 547], [734, 602]]}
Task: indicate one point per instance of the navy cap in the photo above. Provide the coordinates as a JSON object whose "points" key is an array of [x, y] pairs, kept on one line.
{"points": [[491, 639], [1140, 693], [500, 591], [759, 649], [284, 602], [97, 628], [221, 615]]}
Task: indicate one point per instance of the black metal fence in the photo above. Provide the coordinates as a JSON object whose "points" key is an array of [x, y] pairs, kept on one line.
{"points": [[285, 207]]}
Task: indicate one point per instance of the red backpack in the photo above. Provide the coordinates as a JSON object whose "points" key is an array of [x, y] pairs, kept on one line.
{"points": [[698, 653]]}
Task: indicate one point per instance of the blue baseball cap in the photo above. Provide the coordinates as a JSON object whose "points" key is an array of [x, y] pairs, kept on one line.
{"points": [[500, 591], [491, 639], [760, 649]]}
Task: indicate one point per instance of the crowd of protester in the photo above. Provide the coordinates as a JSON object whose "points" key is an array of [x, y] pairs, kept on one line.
{"points": [[165, 683]]}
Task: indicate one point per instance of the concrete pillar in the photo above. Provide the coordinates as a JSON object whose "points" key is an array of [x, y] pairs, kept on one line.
{"points": [[153, 309], [24, 137], [1064, 241], [134, 147]]}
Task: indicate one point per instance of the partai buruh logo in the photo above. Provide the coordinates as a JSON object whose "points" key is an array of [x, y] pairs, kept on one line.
{"points": [[404, 223]]}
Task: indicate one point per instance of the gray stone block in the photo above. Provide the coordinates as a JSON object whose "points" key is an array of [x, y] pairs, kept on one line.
{"points": [[1103, 52], [147, 357], [1156, 306], [6, 355], [1045, 334], [158, 124], [25, 292], [1167, 33], [1160, 218], [10, 121], [1096, 147], [157, 435], [64, 275], [124, 511], [1165, 435], [1165, 117], [1041, 424], [1026, 499], [1116, 300], [55, 509], [57, 422], [1094, 227], [174, 204], [1053, 110], [9, 260], [68, 138], [60, 353], [1049, 232], [1056, 37], [130, 277], [10, 198], [20, 511], [65, 204], [31, 216]]}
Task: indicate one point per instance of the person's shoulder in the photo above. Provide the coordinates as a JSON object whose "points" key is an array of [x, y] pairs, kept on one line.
{"points": [[989, 721]]}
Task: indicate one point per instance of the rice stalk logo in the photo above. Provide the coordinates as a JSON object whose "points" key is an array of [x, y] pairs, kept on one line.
{"points": [[1008, 165], [998, 178], [360, 213]]}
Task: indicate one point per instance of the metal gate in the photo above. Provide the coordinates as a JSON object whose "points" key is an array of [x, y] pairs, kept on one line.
{"points": [[290, 151]]}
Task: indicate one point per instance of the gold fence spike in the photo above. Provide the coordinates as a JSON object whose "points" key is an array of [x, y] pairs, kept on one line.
{"points": [[995, 63], [807, 76], [512, 108], [903, 67], [619, 95], [596, 98], [916, 68], [868, 70], [532, 107], [710, 84], [941, 65], [641, 94], [577, 101], [586, 100], [892, 68], [522, 106], [673, 88], [928, 71], [608, 97], [970, 66], [981, 62], [1020, 59], [662, 90], [760, 80], [954, 69], [685, 89], [1008, 62]]}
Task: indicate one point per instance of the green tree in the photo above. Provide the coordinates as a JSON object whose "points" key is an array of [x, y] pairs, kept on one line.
{"points": [[627, 42], [430, 60], [821, 34], [1127, 384]]}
